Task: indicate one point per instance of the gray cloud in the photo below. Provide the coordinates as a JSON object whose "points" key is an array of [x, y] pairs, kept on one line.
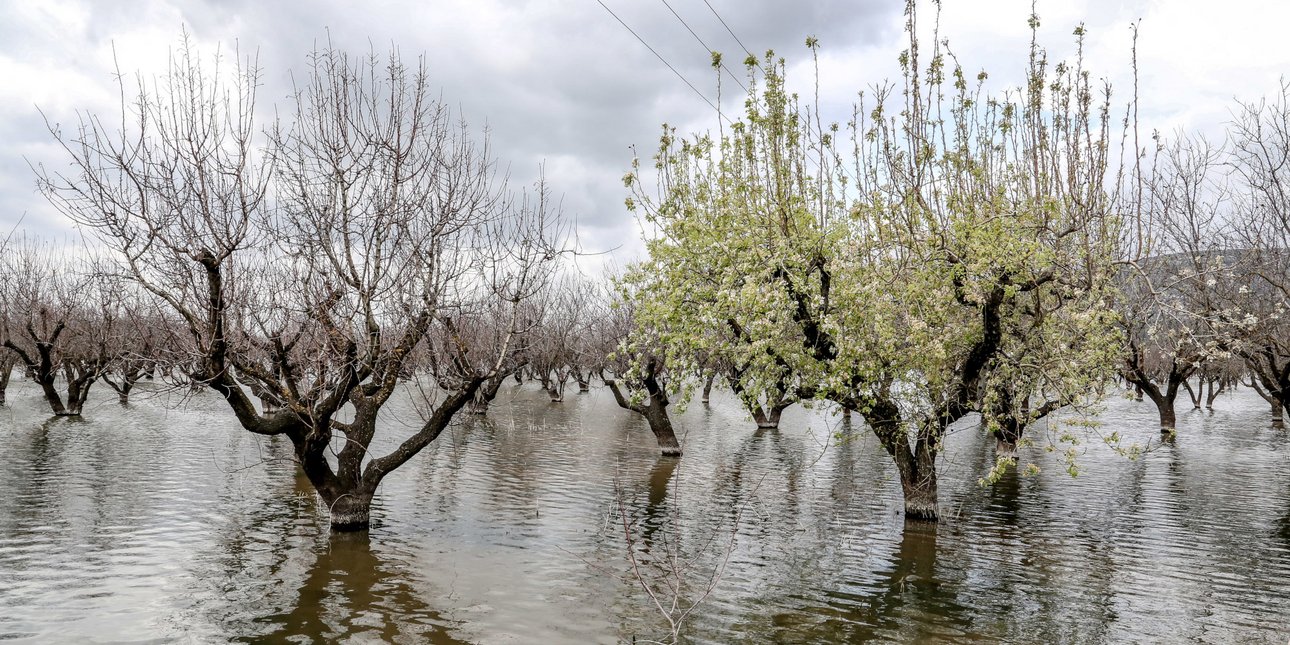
{"points": [[555, 81]]}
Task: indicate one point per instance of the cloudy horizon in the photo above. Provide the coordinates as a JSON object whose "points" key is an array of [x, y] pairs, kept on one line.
{"points": [[568, 88]]}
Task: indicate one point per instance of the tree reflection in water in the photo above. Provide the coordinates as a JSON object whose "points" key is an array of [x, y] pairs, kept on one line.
{"points": [[353, 590], [352, 593]]}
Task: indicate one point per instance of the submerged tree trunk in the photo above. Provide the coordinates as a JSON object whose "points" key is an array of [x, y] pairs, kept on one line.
{"points": [[486, 393], [707, 387], [661, 425], [78, 388], [1195, 395], [1278, 413], [765, 412], [553, 384], [348, 490], [1006, 438], [121, 388], [918, 480], [1214, 392], [654, 411], [41, 370], [6, 370], [350, 510], [1168, 418], [1166, 398], [916, 463], [767, 420]]}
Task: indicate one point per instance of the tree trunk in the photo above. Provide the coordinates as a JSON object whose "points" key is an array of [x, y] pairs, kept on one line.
{"points": [[918, 482], [1011, 428], [554, 387], [655, 413], [485, 394], [1164, 402], [7, 361], [661, 425], [1195, 395], [1278, 414], [52, 396], [1168, 419], [1005, 447], [79, 381], [350, 511], [123, 392], [707, 388], [916, 464], [1214, 392], [1006, 438], [767, 420]]}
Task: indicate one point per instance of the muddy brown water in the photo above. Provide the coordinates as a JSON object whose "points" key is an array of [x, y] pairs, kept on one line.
{"points": [[164, 522]]}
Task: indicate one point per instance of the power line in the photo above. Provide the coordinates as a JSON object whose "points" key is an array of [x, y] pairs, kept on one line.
{"points": [[660, 57], [705, 45]]}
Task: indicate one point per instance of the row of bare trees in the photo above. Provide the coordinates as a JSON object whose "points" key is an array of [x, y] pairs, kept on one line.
{"points": [[67, 323], [314, 260], [1208, 300]]}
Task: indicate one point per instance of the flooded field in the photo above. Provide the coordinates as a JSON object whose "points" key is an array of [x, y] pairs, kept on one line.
{"points": [[164, 521]]}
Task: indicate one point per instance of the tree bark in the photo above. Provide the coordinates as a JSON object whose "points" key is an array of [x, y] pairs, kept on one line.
{"points": [[1214, 392], [916, 464], [655, 413], [1168, 418], [918, 483], [484, 396], [767, 420], [8, 360], [1165, 399], [351, 512], [1005, 447], [1195, 395], [661, 425]]}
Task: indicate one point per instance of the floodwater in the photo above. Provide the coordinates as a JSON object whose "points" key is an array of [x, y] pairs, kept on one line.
{"points": [[164, 522]]}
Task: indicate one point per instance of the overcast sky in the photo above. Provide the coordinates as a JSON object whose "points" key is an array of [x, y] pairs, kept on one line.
{"points": [[565, 84]]}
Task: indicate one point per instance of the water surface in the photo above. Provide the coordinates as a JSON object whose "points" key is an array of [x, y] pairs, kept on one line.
{"points": [[164, 522]]}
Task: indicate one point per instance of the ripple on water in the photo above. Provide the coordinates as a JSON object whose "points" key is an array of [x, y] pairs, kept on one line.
{"points": [[172, 525]]}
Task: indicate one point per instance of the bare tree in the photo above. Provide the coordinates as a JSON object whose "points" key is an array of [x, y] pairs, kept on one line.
{"points": [[1172, 299], [1253, 319], [141, 343], [564, 347], [311, 268], [61, 322]]}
